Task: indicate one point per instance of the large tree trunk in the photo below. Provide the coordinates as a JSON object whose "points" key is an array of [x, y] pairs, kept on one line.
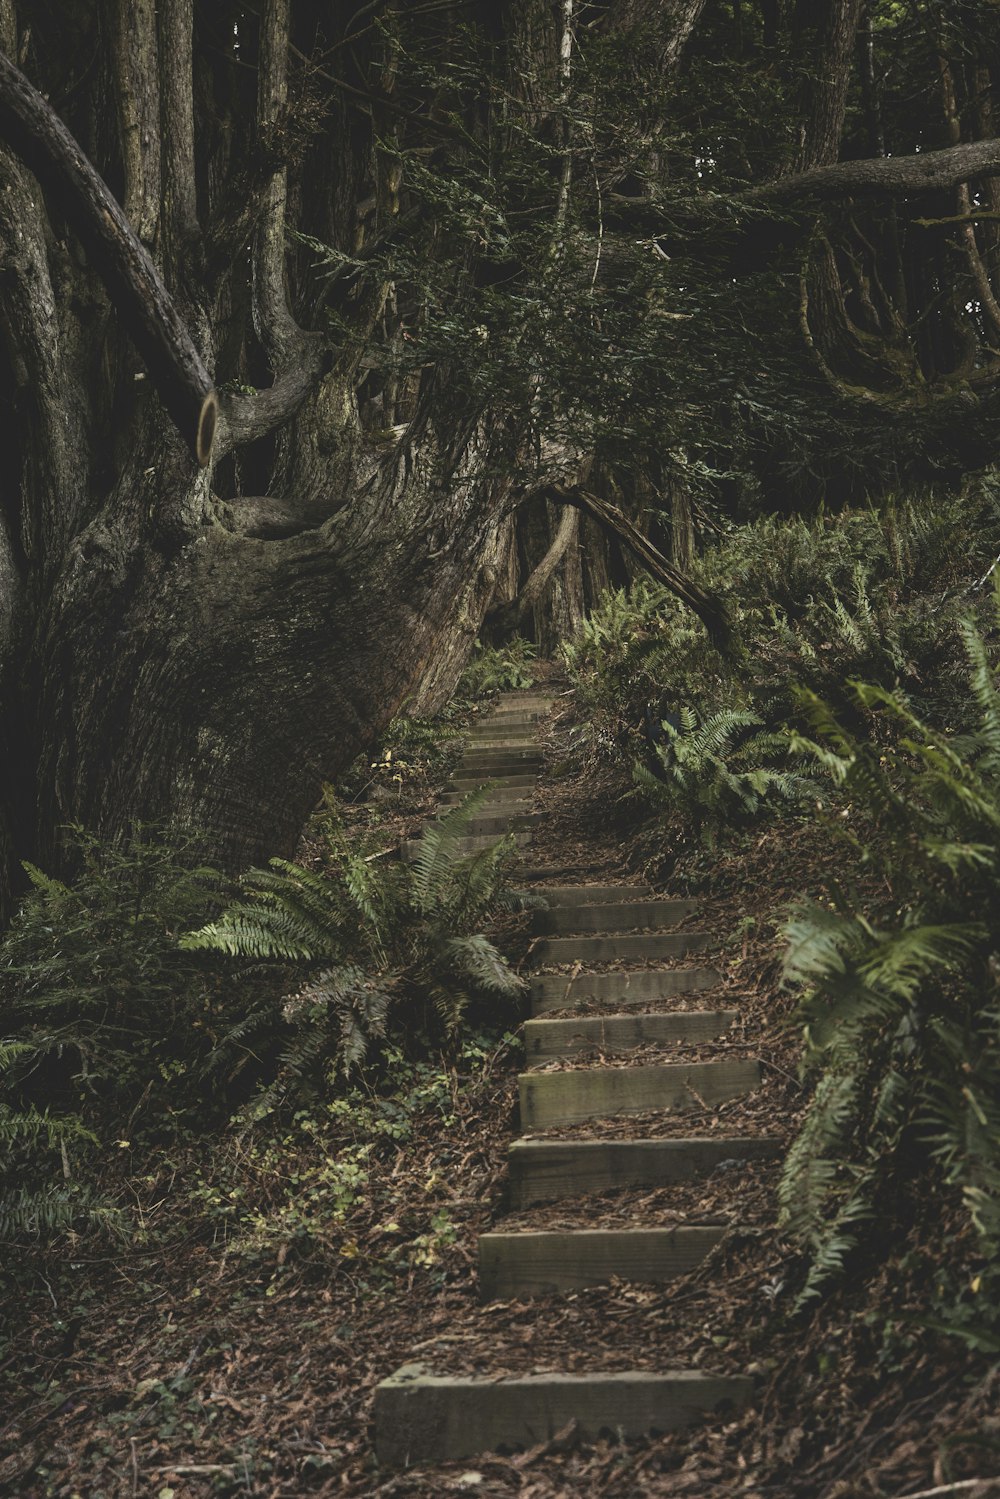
{"points": [[243, 669], [205, 647]]}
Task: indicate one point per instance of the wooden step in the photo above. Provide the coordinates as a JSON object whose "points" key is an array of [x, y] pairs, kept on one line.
{"points": [[638, 946], [593, 895], [549, 1099], [614, 916], [526, 750], [467, 783], [545, 1040], [517, 702], [558, 991], [490, 764], [516, 1265], [422, 1417], [495, 729], [501, 739], [500, 796], [410, 848], [517, 697], [501, 821], [546, 1170], [530, 714]]}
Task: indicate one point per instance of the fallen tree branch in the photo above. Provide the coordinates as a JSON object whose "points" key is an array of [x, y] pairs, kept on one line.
{"points": [[877, 176], [33, 130], [709, 608]]}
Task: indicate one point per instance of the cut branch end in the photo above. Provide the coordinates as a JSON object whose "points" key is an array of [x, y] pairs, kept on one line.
{"points": [[208, 421]]}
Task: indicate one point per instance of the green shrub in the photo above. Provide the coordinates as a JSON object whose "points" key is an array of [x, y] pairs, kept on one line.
{"points": [[493, 669], [901, 1010], [723, 773], [103, 1016], [98, 996], [812, 604], [388, 943]]}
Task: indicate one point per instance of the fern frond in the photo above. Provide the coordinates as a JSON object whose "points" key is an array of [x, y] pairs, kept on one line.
{"points": [[814, 1169], [36, 1212], [477, 961], [262, 931], [438, 852]]}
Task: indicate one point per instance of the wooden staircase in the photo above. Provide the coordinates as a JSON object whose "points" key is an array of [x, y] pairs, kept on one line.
{"points": [[425, 1416]]}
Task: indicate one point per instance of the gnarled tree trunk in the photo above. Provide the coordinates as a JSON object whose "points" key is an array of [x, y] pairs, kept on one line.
{"points": [[206, 645]]}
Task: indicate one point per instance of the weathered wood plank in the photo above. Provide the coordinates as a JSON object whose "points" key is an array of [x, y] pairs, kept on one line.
{"points": [[424, 1417], [517, 1265], [546, 1170], [560, 991], [590, 895], [581, 1093], [544, 1040], [641, 946], [467, 783], [613, 916]]}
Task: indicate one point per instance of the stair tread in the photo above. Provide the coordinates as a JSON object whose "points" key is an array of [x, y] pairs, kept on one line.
{"points": [[544, 1170], [612, 916], [422, 1416], [560, 991], [536, 1262], [576, 1094], [558, 1038], [618, 945]]}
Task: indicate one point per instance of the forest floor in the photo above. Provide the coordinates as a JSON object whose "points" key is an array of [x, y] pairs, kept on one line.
{"points": [[236, 1352]]}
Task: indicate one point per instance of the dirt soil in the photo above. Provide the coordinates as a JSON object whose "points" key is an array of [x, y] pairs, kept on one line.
{"points": [[197, 1366]]}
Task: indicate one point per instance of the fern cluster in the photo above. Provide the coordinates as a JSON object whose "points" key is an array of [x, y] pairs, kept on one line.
{"points": [[813, 604], [493, 669], [387, 943], [721, 773], [901, 1007], [100, 1010]]}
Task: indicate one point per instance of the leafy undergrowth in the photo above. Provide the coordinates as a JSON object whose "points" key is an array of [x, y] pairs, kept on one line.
{"points": [[231, 1344]]}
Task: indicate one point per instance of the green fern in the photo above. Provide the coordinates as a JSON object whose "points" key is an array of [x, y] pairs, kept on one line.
{"points": [[387, 939], [721, 773], [493, 669], [29, 1140], [899, 1017]]}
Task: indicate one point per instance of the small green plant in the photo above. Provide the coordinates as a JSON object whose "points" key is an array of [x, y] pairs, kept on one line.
{"points": [[493, 669], [103, 1017], [98, 997], [38, 1193]]}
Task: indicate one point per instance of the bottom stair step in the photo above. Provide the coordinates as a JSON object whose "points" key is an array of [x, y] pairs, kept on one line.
{"points": [[422, 1417], [517, 1265], [545, 1170]]}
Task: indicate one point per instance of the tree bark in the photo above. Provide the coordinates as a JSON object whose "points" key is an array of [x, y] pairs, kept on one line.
{"points": [[33, 129], [882, 176], [138, 89], [510, 618], [827, 33]]}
